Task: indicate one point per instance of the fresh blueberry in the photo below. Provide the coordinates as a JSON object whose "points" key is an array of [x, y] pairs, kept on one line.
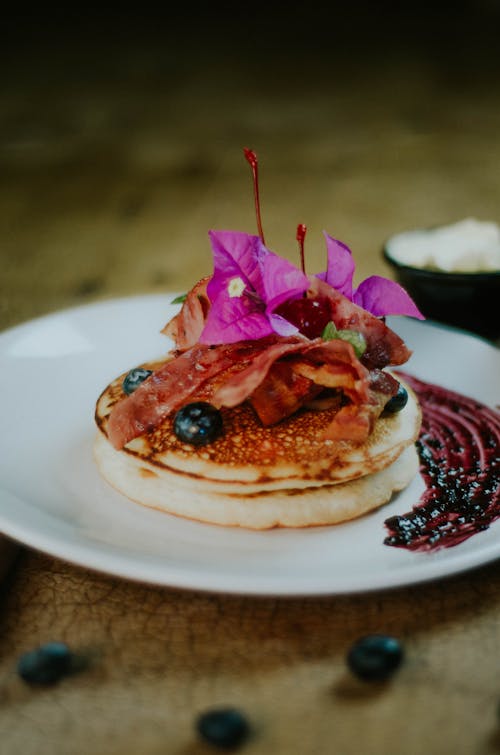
{"points": [[223, 727], [134, 378], [45, 665], [397, 402], [198, 423], [375, 657]]}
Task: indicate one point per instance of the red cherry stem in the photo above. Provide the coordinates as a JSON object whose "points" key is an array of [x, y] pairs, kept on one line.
{"points": [[301, 234], [252, 160]]}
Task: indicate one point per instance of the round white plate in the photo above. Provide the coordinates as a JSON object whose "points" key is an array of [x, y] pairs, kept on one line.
{"points": [[51, 497]]}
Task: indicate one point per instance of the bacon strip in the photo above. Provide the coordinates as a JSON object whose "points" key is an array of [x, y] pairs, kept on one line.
{"points": [[350, 423], [355, 422], [339, 354], [180, 379], [243, 366], [383, 346], [334, 364], [282, 392], [241, 386], [383, 383], [185, 328], [277, 375]]}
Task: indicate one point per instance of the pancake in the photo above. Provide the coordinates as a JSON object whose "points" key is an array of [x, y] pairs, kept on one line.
{"points": [[304, 507], [260, 477]]}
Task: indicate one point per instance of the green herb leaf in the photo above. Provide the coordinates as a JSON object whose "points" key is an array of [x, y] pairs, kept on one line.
{"points": [[353, 337], [329, 332], [356, 340], [179, 299]]}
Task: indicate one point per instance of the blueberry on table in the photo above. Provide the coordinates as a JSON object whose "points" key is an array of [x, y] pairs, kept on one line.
{"points": [[198, 423], [223, 727], [397, 402], [45, 665], [375, 657], [134, 378]]}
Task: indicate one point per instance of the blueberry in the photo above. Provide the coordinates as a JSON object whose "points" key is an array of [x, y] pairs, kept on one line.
{"points": [[397, 402], [375, 657], [198, 423], [45, 665], [134, 378], [223, 727]]}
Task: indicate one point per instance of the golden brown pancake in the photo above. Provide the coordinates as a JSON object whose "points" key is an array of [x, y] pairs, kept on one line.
{"points": [[260, 477]]}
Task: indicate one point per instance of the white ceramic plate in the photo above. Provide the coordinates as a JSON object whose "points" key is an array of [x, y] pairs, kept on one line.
{"points": [[52, 498]]}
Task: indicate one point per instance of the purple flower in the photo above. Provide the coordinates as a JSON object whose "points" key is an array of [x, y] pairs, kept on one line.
{"points": [[377, 295], [249, 282], [339, 266]]}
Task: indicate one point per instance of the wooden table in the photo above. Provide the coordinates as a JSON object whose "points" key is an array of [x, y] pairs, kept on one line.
{"points": [[117, 157]]}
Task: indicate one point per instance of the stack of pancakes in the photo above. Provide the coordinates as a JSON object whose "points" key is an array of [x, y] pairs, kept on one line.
{"points": [[260, 477]]}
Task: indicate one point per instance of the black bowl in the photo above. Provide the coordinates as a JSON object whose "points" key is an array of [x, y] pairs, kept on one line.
{"points": [[467, 300]]}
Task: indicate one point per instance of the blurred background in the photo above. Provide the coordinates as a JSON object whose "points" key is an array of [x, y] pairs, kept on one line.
{"points": [[121, 136]]}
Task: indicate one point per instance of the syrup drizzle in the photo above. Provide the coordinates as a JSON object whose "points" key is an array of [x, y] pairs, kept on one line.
{"points": [[459, 450], [251, 158]]}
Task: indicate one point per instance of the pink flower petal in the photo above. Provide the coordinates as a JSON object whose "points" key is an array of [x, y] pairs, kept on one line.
{"points": [[340, 266], [234, 319], [281, 281], [235, 256], [381, 296], [281, 326], [248, 283]]}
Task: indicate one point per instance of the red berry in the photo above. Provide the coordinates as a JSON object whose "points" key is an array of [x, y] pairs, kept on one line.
{"points": [[310, 316]]}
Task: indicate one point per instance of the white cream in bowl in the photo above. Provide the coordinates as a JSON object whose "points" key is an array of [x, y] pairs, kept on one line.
{"points": [[469, 246]]}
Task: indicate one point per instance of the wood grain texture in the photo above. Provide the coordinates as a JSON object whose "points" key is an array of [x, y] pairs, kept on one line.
{"points": [[120, 146], [157, 657]]}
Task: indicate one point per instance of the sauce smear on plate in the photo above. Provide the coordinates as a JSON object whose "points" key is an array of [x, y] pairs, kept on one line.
{"points": [[459, 449]]}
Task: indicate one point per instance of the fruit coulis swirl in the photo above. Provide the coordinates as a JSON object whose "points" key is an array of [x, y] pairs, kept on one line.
{"points": [[459, 453]]}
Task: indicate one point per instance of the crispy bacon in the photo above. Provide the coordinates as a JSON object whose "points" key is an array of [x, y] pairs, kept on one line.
{"points": [[383, 346], [185, 328], [338, 355], [301, 374], [276, 375], [228, 375], [282, 392], [355, 422], [239, 387], [183, 378], [383, 383], [350, 423], [334, 364]]}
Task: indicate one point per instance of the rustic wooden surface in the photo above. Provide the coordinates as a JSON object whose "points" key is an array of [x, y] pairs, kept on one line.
{"points": [[120, 145]]}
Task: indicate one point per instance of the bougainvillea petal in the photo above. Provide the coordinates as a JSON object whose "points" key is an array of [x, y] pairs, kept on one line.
{"points": [[247, 284], [381, 297], [340, 266], [281, 281], [250, 282], [235, 254], [281, 326], [232, 320]]}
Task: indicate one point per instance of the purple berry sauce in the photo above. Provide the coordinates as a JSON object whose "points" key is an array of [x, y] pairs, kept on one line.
{"points": [[459, 450]]}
